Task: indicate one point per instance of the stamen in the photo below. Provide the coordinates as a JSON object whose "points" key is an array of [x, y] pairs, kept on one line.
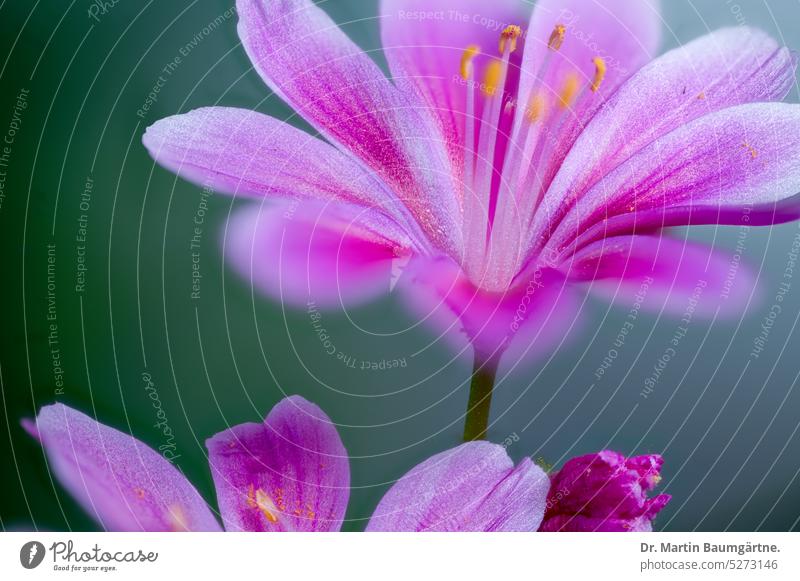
{"points": [[492, 78], [258, 499], [512, 33], [466, 60], [569, 91], [599, 73], [557, 37], [535, 110]]}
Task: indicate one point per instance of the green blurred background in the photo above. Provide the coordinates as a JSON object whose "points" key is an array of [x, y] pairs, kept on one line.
{"points": [[730, 438]]}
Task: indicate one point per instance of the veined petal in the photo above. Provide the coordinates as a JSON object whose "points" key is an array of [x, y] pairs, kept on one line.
{"points": [[474, 487], [313, 253], [424, 42], [659, 272], [309, 62], [742, 156], [242, 152], [290, 473], [723, 69], [124, 484], [565, 39]]}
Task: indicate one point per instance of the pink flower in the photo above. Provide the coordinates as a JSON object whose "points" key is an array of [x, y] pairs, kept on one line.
{"points": [[289, 473], [504, 170], [605, 492], [500, 180]]}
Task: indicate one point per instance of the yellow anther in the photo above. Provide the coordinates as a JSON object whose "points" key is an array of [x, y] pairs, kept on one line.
{"points": [[599, 73], [492, 78], [701, 96], [569, 91], [557, 37], [261, 500], [510, 33], [752, 150], [536, 108], [466, 60]]}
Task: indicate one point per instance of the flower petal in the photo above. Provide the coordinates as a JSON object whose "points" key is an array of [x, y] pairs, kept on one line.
{"points": [[313, 253], [424, 41], [242, 152], [625, 34], [659, 272], [124, 484], [309, 62], [474, 487], [530, 318], [290, 473], [742, 156], [723, 69]]}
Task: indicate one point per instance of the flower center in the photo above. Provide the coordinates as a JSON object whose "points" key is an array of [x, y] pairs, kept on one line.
{"points": [[508, 150]]}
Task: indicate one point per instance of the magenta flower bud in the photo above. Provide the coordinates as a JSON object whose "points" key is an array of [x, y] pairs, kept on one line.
{"points": [[605, 492]]}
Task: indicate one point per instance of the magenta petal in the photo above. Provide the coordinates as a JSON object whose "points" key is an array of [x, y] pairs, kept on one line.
{"points": [[474, 487], [124, 484], [531, 318], [310, 63], [723, 69], [658, 272], [312, 253], [605, 492], [290, 473], [741, 156]]}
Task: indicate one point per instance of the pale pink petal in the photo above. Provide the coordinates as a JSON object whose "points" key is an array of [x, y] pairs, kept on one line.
{"points": [[474, 487], [242, 152], [121, 482]]}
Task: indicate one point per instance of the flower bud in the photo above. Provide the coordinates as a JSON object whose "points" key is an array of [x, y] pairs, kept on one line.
{"points": [[604, 492]]}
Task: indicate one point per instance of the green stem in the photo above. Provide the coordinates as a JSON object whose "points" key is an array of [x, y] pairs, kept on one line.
{"points": [[480, 399]]}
